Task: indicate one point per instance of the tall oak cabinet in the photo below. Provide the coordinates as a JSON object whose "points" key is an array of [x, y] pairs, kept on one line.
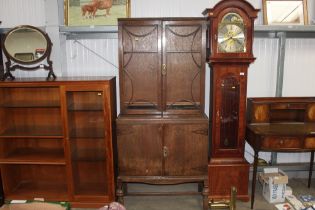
{"points": [[162, 131]]}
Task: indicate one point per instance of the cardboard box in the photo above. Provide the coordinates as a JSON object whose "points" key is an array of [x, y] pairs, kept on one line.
{"points": [[274, 183]]}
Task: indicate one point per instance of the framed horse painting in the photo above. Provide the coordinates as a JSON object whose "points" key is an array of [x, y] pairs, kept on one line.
{"points": [[95, 12]]}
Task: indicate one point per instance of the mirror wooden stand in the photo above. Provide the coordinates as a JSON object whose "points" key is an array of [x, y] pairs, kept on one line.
{"points": [[25, 47]]}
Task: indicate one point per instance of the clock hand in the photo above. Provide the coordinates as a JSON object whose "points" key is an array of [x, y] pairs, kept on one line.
{"points": [[238, 41]]}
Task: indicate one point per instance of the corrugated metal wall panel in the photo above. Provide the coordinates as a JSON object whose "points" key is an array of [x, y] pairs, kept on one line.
{"points": [[262, 76], [177, 8], [262, 73], [299, 68], [22, 12], [167, 8], [89, 57], [97, 57]]}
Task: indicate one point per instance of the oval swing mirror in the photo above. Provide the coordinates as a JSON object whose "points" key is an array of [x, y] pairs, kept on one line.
{"points": [[27, 45]]}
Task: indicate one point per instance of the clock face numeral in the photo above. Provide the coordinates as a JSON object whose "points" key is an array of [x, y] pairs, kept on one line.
{"points": [[231, 34]]}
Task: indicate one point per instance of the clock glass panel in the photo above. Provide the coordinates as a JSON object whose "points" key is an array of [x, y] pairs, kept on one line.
{"points": [[231, 34]]}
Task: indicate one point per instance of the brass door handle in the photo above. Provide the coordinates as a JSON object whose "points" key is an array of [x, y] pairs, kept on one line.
{"points": [[164, 69], [165, 151]]}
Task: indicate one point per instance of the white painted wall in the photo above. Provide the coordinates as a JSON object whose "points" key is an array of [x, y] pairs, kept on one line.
{"points": [[92, 57]]}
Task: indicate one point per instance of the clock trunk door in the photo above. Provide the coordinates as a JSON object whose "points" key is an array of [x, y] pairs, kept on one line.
{"points": [[230, 90], [183, 67]]}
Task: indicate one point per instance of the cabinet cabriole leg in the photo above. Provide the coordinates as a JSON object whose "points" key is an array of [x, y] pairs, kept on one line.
{"points": [[120, 191]]}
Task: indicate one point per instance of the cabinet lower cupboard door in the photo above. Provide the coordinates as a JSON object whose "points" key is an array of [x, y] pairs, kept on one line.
{"points": [[186, 149], [139, 149], [162, 148], [87, 141]]}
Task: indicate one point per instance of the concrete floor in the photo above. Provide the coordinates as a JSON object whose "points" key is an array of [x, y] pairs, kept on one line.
{"points": [[299, 187]]}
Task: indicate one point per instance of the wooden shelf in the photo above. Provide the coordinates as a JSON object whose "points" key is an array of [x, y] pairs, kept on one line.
{"points": [[87, 132], [85, 100], [47, 190], [96, 189], [88, 149], [91, 178], [32, 132], [31, 104], [29, 181], [34, 156], [85, 108]]}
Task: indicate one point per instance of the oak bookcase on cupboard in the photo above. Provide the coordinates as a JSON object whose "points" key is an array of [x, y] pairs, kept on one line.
{"points": [[162, 131], [56, 140]]}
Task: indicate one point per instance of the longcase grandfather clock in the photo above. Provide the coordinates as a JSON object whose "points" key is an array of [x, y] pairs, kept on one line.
{"points": [[231, 40]]}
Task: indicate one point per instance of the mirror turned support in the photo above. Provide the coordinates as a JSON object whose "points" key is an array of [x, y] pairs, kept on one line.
{"points": [[9, 68], [24, 47]]}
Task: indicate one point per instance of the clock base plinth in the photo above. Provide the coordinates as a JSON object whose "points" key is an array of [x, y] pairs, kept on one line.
{"points": [[224, 175]]}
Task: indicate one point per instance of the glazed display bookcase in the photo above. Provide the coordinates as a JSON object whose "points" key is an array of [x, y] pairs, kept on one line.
{"points": [[56, 140]]}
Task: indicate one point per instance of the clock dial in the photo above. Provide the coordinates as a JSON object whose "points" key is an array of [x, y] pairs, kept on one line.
{"points": [[231, 34]]}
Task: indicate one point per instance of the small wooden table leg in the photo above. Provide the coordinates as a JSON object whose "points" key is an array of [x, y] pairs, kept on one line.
{"points": [[311, 169], [254, 179]]}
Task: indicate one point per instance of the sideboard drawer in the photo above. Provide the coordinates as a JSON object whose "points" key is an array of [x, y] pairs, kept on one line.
{"points": [[288, 106], [309, 143], [281, 143]]}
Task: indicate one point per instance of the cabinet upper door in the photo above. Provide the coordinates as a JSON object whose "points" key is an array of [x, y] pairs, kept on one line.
{"points": [[162, 66], [140, 66], [183, 66]]}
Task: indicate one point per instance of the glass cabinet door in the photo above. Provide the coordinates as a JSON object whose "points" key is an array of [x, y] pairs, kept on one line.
{"points": [[162, 66], [86, 133], [183, 67], [140, 68], [229, 119]]}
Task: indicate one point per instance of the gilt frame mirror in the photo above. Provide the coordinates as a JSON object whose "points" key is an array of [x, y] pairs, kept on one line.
{"points": [[25, 47], [285, 12]]}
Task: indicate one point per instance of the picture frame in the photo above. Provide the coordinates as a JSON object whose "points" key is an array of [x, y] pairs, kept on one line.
{"points": [[285, 12], [95, 12]]}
